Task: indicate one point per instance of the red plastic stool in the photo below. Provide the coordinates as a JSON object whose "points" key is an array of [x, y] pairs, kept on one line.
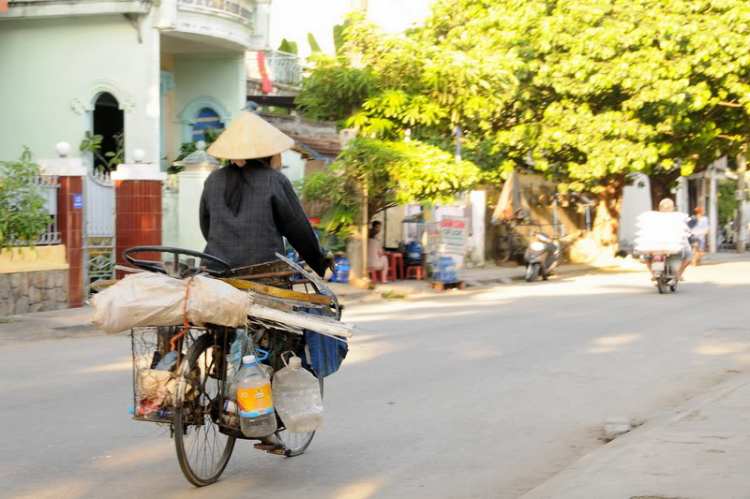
{"points": [[414, 272], [374, 276], [395, 266]]}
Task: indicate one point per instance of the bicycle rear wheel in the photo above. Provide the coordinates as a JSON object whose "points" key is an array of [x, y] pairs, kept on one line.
{"points": [[202, 450]]}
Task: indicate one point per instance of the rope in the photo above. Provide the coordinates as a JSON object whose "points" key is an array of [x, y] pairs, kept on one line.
{"points": [[185, 321]]}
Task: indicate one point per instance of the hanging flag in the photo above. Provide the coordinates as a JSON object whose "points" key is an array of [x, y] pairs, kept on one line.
{"points": [[266, 86]]}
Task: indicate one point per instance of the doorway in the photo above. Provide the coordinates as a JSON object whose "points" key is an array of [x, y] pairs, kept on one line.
{"points": [[109, 123]]}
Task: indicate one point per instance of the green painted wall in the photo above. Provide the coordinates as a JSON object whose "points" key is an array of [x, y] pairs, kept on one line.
{"points": [[53, 69], [216, 80]]}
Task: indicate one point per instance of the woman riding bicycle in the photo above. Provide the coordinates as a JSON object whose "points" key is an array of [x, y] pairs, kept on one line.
{"points": [[248, 207]]}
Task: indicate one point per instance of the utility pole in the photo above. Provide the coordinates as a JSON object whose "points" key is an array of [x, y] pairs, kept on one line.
{"points": [[713, 215], [740, 222]]}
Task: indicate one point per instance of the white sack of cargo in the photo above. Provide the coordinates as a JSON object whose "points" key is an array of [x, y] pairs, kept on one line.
{"points": [[150, 299], [662, 231], [215, 302]]}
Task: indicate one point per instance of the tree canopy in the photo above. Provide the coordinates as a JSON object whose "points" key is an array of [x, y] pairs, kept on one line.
{"points": [[585, 91]]}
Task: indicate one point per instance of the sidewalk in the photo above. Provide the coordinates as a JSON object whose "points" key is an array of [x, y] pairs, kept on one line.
{"points": [[53, 325], [699, 450], [474, 278]]}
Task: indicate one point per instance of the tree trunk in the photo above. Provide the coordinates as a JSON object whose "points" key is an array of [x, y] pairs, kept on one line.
{"points": [[661, 187], [356, 244], [607, 217]]}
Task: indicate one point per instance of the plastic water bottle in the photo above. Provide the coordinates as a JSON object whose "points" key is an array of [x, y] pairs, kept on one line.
{"points": [[298, 399], [167, 362], [229, 415], [254, 399]]}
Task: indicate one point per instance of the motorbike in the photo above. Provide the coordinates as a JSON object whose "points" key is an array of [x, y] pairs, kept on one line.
{"points": [[663, 267], [542, 257]]}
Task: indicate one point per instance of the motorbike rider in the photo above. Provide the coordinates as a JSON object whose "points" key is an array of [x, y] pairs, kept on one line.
{"points": [[666, 205], [248, 207]]}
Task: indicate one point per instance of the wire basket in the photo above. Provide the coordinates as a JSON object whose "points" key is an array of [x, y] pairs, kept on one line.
{"points": [[157, 352]]}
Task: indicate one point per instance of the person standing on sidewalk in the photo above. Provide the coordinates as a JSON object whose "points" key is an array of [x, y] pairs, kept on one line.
{"points": [[699, 230]]}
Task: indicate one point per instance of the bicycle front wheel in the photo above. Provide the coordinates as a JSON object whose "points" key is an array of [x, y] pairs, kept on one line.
{"points": [[202, 450]]}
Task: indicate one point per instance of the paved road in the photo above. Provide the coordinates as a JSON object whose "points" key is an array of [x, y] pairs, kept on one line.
{"points": [[483, 394]]}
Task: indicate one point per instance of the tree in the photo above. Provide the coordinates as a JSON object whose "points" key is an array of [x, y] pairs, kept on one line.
{"points": [[606, 88], [587, 92], [393, 172], [23, 217]]}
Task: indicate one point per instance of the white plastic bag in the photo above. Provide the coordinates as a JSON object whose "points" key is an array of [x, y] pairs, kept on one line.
{"points": [[144, 299], [150, 299], [216, 302]]}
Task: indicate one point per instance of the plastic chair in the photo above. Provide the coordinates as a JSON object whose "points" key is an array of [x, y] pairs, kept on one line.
{"points": [[374, 276], [414, 272]]}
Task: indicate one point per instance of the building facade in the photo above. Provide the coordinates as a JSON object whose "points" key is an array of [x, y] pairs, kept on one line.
{"points": [[144, 75]]}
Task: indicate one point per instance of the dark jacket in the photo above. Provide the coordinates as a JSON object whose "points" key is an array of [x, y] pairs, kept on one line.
{"points": [[270, 210]]}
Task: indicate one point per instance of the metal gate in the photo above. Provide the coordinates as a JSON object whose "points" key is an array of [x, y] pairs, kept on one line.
{"points": [[99, 228]]}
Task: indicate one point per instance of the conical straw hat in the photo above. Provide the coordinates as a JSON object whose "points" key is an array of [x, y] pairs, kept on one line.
{"points": [[250, 137]]}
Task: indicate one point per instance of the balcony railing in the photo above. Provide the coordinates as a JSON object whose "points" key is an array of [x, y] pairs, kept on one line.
{"points": [[282, 67], [242, 10]]}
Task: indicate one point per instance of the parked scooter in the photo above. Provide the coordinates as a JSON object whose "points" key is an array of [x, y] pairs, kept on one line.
{"points": [[542, 257]]}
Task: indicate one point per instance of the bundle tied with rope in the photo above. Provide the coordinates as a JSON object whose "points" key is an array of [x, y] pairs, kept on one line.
{"points": [[150, 299]]}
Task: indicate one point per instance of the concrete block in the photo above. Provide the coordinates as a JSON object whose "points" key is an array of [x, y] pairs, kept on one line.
{"points": [[39, 279], [60, 278], [36, 307], [34, 295], [15, 280], [49, 279], [22, 305], [5, 286]]}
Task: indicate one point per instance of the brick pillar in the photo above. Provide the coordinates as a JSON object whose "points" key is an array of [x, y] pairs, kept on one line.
{"points": [[71, 175], [138, 189]]}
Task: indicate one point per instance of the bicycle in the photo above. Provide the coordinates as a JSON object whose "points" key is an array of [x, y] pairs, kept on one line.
{"points": [[192, 397]]}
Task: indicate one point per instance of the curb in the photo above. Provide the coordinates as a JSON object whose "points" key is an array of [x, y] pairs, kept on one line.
{"points": [[617, 447], [561, 271]]}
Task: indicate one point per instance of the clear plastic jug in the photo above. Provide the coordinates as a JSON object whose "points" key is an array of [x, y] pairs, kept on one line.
{"points": [[298, 398]]}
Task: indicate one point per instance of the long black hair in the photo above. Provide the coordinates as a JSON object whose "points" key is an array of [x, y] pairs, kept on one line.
{"points": [[236, 182]]}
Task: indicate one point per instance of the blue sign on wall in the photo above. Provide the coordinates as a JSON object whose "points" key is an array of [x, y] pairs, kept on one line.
{"points": [[77, 201]]}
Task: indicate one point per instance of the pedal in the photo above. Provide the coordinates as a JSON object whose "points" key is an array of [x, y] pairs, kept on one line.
{"points": [[271, 449]]}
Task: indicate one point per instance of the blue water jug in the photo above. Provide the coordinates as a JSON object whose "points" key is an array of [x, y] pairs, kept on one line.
{"points": [[341, 270], [445, 269], [450, 269], [413, 253]]}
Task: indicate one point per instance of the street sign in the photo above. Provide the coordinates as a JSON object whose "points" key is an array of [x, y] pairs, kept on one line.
{"points": [[453, 232], [77, 201]]}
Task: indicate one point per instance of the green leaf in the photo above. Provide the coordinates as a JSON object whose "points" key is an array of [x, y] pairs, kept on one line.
{"points": [[314, 47]]}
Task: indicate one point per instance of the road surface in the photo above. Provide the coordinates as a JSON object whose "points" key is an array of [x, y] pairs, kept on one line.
{"points": [[482, 394]]}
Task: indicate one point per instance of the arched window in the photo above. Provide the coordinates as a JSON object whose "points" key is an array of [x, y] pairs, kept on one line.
{"points": [[207, 118]]}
